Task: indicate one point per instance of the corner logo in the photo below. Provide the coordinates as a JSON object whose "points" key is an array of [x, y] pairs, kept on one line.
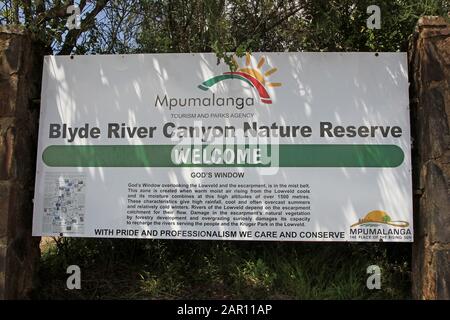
{"points": [[379, 217], [249, 74]]}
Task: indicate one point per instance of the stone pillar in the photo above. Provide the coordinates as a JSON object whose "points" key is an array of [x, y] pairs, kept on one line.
{"points": [[429, 63], [20, 74]]}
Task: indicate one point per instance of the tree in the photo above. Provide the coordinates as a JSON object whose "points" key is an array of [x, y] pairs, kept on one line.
{"points": [[220, 26], [279, 25], [46, 20]]}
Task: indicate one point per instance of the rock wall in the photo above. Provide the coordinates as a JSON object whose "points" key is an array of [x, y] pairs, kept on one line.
{"points": [[429, 62], [20, 74]]}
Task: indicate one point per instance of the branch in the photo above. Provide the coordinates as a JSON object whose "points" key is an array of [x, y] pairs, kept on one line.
{"points": [[72, 35], [281, 18], [58, 11], [40, 6], [27, 11], [15, 11]]}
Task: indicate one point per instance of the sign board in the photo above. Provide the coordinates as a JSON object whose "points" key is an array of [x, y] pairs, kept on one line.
{"points": [[282, 146]]}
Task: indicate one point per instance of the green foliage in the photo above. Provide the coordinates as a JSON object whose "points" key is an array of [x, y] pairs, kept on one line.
{"points": [[221, 26], [237, 26]]}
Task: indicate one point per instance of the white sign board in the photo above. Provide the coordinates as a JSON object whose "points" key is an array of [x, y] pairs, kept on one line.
{"points": [[283, 146]]}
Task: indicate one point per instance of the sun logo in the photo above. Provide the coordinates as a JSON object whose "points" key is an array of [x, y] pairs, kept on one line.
{"points": [[379, 217], [255, 77]]}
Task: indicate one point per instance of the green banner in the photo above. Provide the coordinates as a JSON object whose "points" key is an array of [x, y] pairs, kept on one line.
{"points": [[289, 155]]}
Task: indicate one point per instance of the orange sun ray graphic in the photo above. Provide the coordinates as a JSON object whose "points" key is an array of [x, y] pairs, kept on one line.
{"points": [[257, 73], [252, 75]]}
